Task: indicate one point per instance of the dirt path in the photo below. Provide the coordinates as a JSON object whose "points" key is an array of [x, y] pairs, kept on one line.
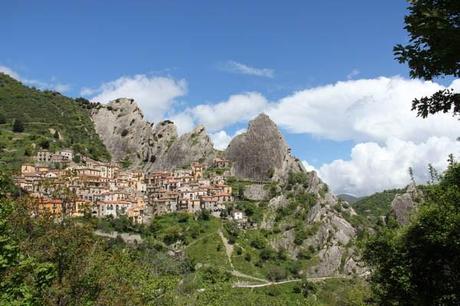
{"points": [[239, 274], [311, 279], [199, 239], [127, 237], [228, 248]]}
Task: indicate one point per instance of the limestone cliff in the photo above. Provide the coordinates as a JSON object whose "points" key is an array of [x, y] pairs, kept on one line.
{"points": [[190, 147], [404, 204], [318, 227], [128, 136], [262, 153], [305, 219]]}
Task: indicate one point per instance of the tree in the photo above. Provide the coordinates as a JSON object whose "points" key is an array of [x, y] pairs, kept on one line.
{"points": [[433, 51], [419, 264], [22, 277], [411, 174], [18, 126], [2, 118]]}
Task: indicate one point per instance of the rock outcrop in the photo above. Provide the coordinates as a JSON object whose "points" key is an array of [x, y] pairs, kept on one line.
{"points": [[330, 235], [262, 153], [256, 192], [124, 132], [128, 136], [404, 204], [188, 148]]}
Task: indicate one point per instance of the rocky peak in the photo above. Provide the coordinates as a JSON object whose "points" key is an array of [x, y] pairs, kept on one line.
{"points": [[122, 128], [190, 147], [128, 136], [261, 153]]}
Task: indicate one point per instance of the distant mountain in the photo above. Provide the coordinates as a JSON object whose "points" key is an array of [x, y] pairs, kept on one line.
{"points": [[348, 197], [50, 120]]}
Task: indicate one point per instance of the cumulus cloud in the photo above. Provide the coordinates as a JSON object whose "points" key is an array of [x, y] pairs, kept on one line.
{"points": [[308, 167], [221, 139], [155, 95], [237, 108], [235, 67], [363, 110], [373, 167], [10, 72]]}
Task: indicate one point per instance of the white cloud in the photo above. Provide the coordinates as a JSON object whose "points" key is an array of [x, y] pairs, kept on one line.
{"points": [[235, 67], [308, 167], [9, 72], [363, 110], [238, 108], [353, 73], [373, 167], [155, 95], [184, 122], [221, 139]]}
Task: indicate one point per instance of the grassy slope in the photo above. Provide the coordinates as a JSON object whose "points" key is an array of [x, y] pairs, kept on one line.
{"points": [[376, 205], [41, 111], [205, 249]]}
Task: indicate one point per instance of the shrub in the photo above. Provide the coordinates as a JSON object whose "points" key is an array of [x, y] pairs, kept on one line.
{"points": [[258, 243], [267, 254], [307, 287], [204, 215], [76, 159], [276, 273], [44, 144], [247, 257], [124, 133], [18, 126], [238, 250]]}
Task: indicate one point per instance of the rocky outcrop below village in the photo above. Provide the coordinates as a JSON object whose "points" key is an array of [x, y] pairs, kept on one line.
{"points": [[143, 145], [328, 236]]}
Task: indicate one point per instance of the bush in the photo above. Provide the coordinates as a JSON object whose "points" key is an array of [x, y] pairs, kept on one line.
{"points": [[124, 133], [267, 254], [18, 126], [258, 243], [238, 250], [247, 257], [204, 215], [76, 159], [276, 273], [45, 144], [307, 287]]}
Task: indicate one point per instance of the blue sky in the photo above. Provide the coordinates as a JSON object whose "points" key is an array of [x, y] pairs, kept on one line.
{"points": [[217, 48]]}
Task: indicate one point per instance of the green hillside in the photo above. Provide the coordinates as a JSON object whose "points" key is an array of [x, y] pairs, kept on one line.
{"points": [[376, 205], [49, 120]]}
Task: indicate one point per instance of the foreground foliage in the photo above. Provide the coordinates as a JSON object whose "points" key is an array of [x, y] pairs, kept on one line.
{"points": [[419, 264], [181, 261]]}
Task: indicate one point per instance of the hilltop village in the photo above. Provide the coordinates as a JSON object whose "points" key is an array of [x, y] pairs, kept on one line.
{"points": [[72, 185]]}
